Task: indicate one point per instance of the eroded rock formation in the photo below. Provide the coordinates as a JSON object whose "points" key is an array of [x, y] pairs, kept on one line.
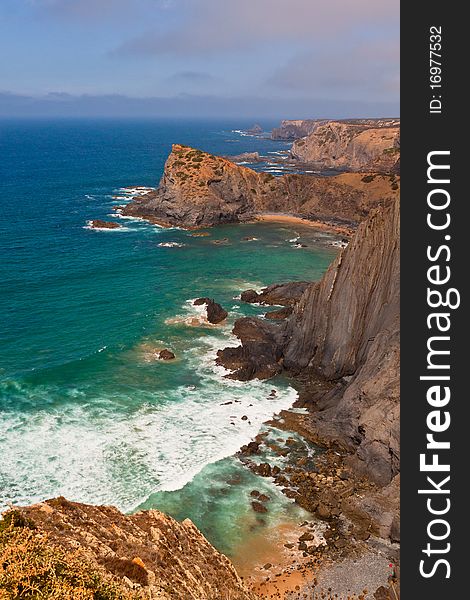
{"points": [[277, 294], [293, 129], [344, 328], [347, 328], [148, 552], [198, 189], [351, 145]]}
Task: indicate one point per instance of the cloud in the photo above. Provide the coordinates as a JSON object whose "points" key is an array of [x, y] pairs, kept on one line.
{"points": [[361, 69], [189, 106], [192, 77], [97, 10], [217, 26]]}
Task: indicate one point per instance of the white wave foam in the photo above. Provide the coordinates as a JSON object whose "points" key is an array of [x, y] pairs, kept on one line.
{"points": [[171, 245], [91, 450]]}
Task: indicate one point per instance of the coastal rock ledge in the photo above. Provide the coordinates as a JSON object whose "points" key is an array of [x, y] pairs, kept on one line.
{"points": [[145, 555], [199, 189], [345, 330]]}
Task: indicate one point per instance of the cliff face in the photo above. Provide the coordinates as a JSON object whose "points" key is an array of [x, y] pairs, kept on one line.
{"points": [[351, 145], [148, 552], [198, 189], [293, 129], [344, 328], [347, 326]]}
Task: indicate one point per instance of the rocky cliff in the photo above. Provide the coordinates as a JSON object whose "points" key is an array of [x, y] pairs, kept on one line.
{"points": [[351, 145], [293, 129], [344, 329], [198, 190], [145, 555]]}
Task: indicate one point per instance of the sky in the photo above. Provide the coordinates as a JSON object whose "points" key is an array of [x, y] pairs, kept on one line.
{"points": [[271, 58]]}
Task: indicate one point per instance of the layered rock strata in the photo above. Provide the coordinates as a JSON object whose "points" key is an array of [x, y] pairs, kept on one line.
{"points": [[345, 329], [352, 146], [147, 552], [198, 189]]}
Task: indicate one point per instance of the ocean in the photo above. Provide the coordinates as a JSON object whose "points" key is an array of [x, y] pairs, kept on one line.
{"points": [[86, 411]]}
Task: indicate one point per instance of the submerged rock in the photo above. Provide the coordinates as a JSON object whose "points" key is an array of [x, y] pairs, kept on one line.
{"points": [[258, 507]]}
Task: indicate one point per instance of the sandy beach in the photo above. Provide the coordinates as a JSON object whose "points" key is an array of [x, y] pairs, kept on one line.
{"points": [[284, 218]]}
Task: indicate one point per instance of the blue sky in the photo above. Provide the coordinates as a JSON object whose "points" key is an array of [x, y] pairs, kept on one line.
{"points": [[291, 56]]}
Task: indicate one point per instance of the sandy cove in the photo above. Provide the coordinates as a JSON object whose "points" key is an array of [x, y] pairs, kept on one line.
{"points": [[291, 219]]}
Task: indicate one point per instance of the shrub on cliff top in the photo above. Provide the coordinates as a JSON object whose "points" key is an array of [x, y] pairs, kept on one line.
{"points": [[32, 568]]}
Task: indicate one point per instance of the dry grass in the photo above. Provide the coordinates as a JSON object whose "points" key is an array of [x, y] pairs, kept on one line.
{"points": [[31, 568]]}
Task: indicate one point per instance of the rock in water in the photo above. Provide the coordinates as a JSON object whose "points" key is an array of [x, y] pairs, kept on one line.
{"points": [[283, 294], [215, 313], [258, 507], [255, 129], [259, 354], [166, 354], [249, 296], [201, 301], [99, 224]]}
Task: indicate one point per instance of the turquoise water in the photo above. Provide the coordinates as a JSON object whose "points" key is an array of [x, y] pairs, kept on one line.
{"points": [[85, 409]]}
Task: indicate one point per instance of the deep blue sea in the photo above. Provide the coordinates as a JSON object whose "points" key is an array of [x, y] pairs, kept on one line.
{"points": [[86, 410]]}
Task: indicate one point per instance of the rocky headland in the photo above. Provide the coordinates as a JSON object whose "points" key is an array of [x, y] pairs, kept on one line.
{"points": [[351, 145], [199, 189], [293, 129]]}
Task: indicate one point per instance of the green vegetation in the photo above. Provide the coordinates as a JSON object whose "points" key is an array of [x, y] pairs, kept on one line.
{"points": [[31, 567], [368, 178], [391, 151]]}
